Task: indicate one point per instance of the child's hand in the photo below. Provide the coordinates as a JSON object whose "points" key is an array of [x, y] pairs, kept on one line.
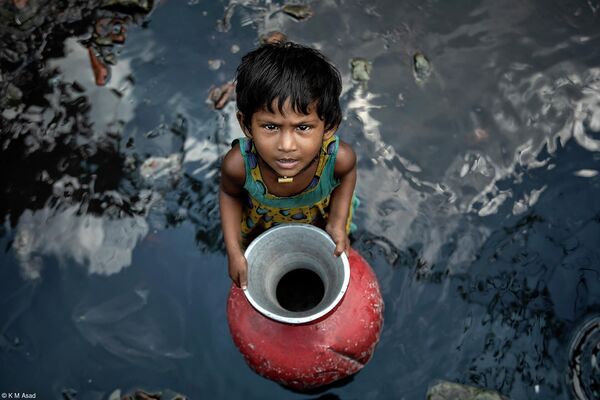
{"points": [[238, 270], [338, 234]]}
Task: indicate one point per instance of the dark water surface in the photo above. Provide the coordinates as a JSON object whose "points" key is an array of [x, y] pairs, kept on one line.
{"points": [[480, 193]]}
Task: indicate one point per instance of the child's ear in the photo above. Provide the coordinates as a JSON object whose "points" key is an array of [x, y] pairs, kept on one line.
{"points": [[240, 118], [329, 133]]}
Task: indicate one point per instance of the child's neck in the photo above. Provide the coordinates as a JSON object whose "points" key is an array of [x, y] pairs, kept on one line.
{"points": [[299, 182]]}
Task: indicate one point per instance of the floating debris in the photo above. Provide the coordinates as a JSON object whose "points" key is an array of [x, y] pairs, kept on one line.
{"points": [[108, 36], [297, 11], [586, 173], [219, 96], [13, 93], [108, 54], [480, 135], [234, 49], [115, 395], [361, 69], [156, 170], [20, 4], [224, 24], [273, 37], [101, 71], [444, 390], [108, 31], [215, 64], [422, 68]]}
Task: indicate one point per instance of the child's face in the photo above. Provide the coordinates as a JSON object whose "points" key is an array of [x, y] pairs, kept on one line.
{"points": [[288, 142]]}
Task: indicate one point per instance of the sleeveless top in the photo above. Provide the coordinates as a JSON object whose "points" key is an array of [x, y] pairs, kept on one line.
{"points": [[262, 210]]}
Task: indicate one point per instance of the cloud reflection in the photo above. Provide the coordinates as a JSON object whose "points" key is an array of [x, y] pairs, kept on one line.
{"points": [[103, 246]]}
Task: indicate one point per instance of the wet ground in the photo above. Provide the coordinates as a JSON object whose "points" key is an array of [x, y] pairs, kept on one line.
{"points": [[478, 175]]}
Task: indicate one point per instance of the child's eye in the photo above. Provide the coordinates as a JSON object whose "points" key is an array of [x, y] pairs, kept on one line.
{"points": [[303, 128], [270, 127]]}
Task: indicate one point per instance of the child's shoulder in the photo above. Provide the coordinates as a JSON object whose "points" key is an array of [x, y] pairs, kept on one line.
{"points": [[233, 167], [345, 160]]}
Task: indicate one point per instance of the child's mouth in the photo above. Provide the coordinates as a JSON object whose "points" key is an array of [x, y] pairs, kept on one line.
{"points": [[287, 163]]}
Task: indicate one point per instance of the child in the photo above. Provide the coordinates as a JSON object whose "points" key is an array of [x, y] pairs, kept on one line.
{"points": [[290, 166]]}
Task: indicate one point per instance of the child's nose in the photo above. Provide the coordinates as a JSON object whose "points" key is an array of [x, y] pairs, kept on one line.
{"points": [[287, 142]]}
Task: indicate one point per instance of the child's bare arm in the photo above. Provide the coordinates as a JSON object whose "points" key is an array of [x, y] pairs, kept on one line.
{"points": [[341, 198], [230, 203]]}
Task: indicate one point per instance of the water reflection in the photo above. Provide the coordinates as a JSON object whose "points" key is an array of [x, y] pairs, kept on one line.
{"points": [[479, 190], [104, 246]]}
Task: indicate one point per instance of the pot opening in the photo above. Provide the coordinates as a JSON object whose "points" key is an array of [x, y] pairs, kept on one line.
{"points": [[300, 290]]}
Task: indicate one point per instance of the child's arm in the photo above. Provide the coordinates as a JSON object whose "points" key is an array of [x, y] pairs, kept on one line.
{"points": [[233, 174], [341, 197]]}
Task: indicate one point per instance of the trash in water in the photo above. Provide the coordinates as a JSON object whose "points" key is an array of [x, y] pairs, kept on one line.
{"points": [[273, 37], [215, 64], [480, 135], [100, 69], [219, 96], [298, 11], [422, 68], [224, 24], [108, 31], [361, 69], [20, 4], [13, 93], [160, 171], [131, 326]]}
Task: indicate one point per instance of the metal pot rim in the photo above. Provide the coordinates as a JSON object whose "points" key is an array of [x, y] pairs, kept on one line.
{"points": [[320, 313]]}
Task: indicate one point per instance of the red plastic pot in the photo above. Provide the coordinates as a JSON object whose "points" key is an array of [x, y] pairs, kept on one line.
{"points": [[318, 353]]}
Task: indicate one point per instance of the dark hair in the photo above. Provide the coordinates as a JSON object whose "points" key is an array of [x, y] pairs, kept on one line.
{"points": [[288, 71]]}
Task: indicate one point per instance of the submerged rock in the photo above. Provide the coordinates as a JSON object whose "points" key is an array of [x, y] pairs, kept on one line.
{"points": [[298, 11], [422, 68], [361, 69], [444, 390]]}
